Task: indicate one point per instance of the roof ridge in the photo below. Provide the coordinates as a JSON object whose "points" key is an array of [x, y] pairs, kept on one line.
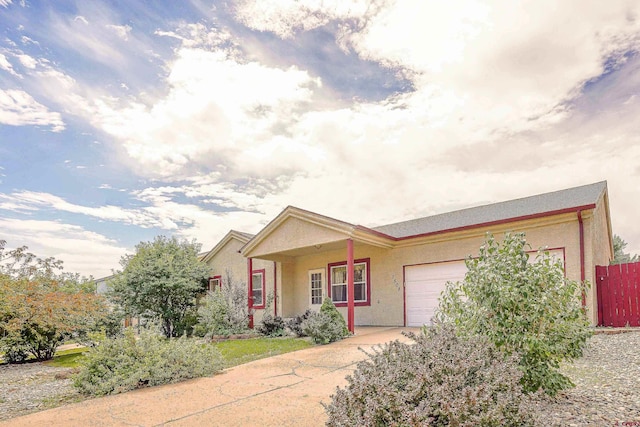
{"points": [[556, 200]]}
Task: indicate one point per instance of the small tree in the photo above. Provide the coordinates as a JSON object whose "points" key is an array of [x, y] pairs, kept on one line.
{"points": [[528, 309], [161, 281], [619, 255], [40, 305], [441, 380]]}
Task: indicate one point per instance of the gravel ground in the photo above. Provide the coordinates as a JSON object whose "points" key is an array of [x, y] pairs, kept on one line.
{"points": [[607, 389], [607, 379], [33, 387]]}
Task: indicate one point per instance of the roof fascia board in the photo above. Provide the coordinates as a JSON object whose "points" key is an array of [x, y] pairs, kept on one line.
{"points": [[371, 237], [232, 234], [472, 230], [304, 215]]}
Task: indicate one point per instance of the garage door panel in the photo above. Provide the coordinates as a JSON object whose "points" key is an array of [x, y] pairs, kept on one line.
{"points": [[423, 286]]}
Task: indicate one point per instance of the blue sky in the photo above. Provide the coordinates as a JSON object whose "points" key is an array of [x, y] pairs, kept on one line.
{"points": [[123, 121]]}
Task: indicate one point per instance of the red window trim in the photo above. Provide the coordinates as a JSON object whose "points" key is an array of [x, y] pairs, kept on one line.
{"points": [[218, 278], [264, 296], [367, 262]]}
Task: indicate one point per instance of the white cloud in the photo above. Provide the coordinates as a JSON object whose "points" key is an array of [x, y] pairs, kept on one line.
{"points": [[82, 19], [121, 31], [287, 17], [5, 3], [38, 200], [6, 65], [205, 120], [82, 251], [18, 108], [512, 65], [27, 61]]}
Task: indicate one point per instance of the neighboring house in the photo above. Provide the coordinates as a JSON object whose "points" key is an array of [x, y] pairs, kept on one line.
{"points": [[102, 284], [400, 269], [103, 287]]}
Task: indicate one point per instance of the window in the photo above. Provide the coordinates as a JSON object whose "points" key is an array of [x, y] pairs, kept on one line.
{"points": [[316, 283], [257, 288], [215, 282], [338, 282]]}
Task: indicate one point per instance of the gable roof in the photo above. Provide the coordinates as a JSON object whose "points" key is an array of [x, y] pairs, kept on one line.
{"points": [[232, 234], [571, 199], [554, 203], [343, 228]]}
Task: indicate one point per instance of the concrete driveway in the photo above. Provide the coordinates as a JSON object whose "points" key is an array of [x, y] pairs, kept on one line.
{"points": [[283, 390]]}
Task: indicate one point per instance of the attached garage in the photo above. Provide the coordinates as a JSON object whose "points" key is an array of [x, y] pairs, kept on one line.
{"points": [[425, 282], [423, 285]]}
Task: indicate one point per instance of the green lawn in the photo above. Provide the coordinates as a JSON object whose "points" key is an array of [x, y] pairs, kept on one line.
{"points": [[237, 352], [234, 352], [67, 358]]}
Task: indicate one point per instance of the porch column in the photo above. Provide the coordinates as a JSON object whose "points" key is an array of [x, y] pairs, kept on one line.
{"points": [[250, 290], [275, 288], [350, 287]]}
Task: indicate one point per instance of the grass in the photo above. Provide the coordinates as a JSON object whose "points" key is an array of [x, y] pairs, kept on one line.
{"points": [[234, 352], [67, 358], [237, 352]]}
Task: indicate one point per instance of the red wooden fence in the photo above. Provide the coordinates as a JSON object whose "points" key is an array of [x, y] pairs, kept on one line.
{"points": [[618, 288]]}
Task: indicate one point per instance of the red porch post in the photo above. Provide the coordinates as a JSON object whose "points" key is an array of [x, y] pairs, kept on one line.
{"points": [[350, 287], [250, 291]]}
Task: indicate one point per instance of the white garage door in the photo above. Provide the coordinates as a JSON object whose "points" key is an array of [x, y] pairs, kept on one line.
{"points": [[423, 284]]}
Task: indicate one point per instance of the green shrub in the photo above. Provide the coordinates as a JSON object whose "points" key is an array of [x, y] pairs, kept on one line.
{"points": [[272, 326], [295, 324], [330, 310], [441, 380], [14, 352], [224, 311], [121, 364], [529, 309], [326, 326]]}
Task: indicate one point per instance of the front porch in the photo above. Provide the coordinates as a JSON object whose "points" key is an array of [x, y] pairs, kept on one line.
{"points": [[316, 257]]}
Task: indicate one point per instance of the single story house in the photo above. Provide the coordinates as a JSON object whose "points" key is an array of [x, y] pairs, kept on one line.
{"points": [[392, 275]]}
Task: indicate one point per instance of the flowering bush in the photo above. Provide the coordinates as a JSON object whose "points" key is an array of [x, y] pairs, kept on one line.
{"points": [[224, 311], [441, 380]]}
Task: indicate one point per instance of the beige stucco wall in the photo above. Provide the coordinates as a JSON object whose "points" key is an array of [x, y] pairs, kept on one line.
{"points": [[387, 298], [228, 261], [295, 233]]}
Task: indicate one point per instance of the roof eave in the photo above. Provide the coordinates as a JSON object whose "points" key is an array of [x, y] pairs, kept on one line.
{"points": [[499, 222], [232, 234]]}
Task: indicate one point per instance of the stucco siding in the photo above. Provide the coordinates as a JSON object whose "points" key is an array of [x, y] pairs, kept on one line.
{"points": [[295, 233], [387, 265]]}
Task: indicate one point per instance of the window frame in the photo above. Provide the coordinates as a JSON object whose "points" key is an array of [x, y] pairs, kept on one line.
{"points": [[367, 282], [262, 273], [212, 279], [322, 273]]}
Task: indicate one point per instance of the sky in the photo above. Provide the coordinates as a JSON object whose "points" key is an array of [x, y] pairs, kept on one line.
{"points": [[121, 121]]}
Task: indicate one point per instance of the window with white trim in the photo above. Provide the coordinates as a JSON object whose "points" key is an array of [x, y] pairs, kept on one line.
{"points": [[338, 282], [316, 284], [215, 282], [257, 288]]}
